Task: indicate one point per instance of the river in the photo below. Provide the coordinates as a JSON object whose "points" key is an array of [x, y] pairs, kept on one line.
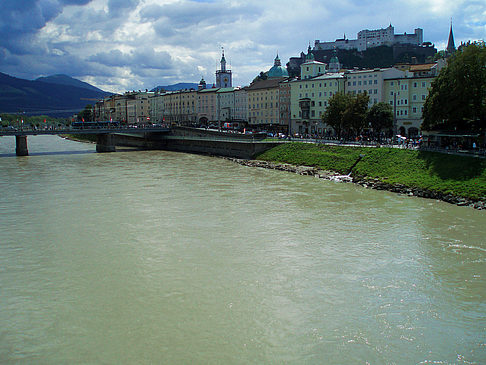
{"points": [[154, 257]]}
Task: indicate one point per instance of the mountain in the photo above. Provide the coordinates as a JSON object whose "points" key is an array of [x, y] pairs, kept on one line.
{"points": [[68, 81], [176, 87], [40, 97]]}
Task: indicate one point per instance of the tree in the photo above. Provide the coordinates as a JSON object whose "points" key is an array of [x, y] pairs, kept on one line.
{"points": [[262, 76], [86, 114], [457, 99], [334, 114], [355, 113], [379, 117]]}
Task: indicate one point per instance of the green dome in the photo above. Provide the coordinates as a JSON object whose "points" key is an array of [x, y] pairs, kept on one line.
{"points": [[277, 70]]}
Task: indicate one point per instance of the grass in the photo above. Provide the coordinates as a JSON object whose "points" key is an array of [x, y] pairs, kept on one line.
{"points": [[449, 174]]}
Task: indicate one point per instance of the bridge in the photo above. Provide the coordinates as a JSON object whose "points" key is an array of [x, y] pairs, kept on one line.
{"points": [[104, 142]]}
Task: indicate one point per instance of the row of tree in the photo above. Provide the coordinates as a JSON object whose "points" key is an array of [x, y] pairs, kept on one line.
{"points": [[457, 99], [349, 115]]}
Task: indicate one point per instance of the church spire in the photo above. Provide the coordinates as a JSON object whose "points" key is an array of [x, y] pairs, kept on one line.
{"points": [[223, 76], [451, 48], [223, 61]]}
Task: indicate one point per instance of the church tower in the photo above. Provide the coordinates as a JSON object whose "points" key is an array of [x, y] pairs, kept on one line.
{"points": [[334, 64], [451, 48], [223, 76]]}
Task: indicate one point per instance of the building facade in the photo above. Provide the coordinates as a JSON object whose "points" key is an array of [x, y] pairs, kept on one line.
{"points": [[180, 107], [371, 82], [263, 104], [373, 38], [309, 100], [241, 105], [157, 107], [407, 96], [207, 106]]}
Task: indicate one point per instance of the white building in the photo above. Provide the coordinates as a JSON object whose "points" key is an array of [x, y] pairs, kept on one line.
{"points": [[373, 38], [241, 105], [156, 107], [371, 81]]}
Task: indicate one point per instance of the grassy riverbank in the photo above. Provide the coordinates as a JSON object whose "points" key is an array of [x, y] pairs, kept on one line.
{"points": [[447, 174]]}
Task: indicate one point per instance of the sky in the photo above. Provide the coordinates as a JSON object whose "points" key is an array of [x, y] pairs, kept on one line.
{"points": [[124, 45]]}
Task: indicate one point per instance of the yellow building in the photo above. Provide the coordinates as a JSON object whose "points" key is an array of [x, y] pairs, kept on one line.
{"points": [[309, 100], [180, 107], [263, 104], [137, 107], [407, 97], [207, 106]]}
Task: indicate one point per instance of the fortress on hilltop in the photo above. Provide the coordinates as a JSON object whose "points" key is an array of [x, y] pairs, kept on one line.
{"points": [[372, 38]]}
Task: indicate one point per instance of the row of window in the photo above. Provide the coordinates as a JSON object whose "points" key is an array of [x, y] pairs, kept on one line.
{"points": [[404, 86], [267, 105], [335, 83], [359, 83]]}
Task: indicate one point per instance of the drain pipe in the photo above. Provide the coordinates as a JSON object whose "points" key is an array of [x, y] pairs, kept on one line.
{"points": [[354, 165]]}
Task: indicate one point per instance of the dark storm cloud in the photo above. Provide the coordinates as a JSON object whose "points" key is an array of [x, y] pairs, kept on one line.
{"points": [[22, 18]]}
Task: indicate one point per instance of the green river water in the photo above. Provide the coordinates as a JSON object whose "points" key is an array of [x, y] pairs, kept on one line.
{"points": [[153, 257]]}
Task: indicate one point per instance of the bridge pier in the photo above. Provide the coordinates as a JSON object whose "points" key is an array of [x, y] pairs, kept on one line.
{"points": [[105, 143], [21, 146]]}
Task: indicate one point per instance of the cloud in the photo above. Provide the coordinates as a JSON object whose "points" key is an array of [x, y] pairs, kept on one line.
{"points": [[138, 44]]}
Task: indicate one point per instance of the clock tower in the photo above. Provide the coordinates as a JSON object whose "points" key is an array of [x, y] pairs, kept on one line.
{"points": [[223, 76]]}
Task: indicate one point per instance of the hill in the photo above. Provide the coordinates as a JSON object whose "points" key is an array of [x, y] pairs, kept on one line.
{"points": [[176, 87], [68, 81], [40, 97]]}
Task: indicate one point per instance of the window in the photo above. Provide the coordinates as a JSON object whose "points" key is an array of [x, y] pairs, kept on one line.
{"points": [[414, 97], [414, 84], [424, 84], [423, 97], [414, 110]]}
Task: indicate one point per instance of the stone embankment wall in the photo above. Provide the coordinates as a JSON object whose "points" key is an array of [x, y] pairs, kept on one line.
{"points": [[193, 140], [365, 182]]}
